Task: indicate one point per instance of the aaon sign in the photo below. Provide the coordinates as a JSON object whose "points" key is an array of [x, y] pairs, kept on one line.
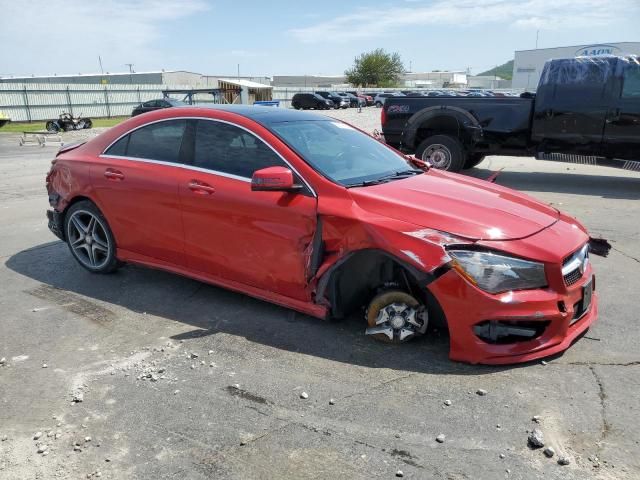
{"points": [[595, 50]]}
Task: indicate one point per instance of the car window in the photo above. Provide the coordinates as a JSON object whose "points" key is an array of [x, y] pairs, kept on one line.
{"points": [[232, 150], [631, 86], [150, 103], [119, 148], [341, 152], [158, 141]]}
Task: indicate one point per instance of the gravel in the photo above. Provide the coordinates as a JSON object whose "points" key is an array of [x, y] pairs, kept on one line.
{"points": [[447, 403], [482, 392], [564, 460], [304, 395], [440, 438], [549, 452]]}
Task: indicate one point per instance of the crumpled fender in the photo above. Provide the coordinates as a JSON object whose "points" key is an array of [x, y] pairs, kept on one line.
{"points": [[466, 121]]}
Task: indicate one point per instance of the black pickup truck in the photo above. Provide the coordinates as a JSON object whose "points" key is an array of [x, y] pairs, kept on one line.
{"points": [[585, 110]]}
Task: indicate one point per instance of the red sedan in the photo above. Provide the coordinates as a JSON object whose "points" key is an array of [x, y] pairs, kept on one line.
{"points": [[312, 214]]}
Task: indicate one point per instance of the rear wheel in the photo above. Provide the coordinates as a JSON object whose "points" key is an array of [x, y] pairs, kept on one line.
{"points": [[87, 123], [394, 316], [473, 159], [443, 152], [52, 126], [89, 238], [378, 104]]}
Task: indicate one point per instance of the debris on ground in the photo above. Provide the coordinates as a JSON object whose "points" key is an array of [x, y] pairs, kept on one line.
{"points": [[564, 460], [440, 438], [37, 435], [3, 360], [332, 401], [304, 395], [549, 452], [482, 392], [536, 438], [502, 455], [42, 448], [536, 418], [447, 403], [399, 473], [77, 397]]}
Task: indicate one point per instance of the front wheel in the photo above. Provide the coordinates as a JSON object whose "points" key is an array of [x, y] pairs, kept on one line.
{"points": [[87, 123], [443, 152], [52, 126], [394, 316], [378, 104], [90, 239]]}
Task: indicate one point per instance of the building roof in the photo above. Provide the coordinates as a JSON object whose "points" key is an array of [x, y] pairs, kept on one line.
{"points": [[106, 74], [244, 83]]}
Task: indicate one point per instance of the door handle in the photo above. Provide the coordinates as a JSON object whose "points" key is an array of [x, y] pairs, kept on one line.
{"points": [[113, 174], [201, 187], [614, 116]]}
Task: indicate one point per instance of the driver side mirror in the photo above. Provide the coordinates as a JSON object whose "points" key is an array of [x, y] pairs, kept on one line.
{"points": [[275, 179]]}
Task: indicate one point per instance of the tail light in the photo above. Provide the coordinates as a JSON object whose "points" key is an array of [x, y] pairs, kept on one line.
{"points": [[383, 116]]}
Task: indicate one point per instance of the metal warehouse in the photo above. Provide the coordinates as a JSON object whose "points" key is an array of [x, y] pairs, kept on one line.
{"points": [[527, 65]]}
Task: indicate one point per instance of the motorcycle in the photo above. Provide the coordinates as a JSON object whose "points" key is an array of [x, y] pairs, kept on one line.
{"points": [[67, 122]]}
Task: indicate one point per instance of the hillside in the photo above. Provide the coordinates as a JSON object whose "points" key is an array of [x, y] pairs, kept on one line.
{"points": [[504, 71]]}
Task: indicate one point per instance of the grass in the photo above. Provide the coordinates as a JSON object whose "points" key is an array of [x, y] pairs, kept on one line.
{"points": [[19, 127]]}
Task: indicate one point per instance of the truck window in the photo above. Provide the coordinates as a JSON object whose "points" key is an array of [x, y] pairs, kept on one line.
{"points": [[631, 85], [578, 80]]}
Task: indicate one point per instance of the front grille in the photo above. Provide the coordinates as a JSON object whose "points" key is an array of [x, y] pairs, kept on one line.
{"points": [[572, 277]]}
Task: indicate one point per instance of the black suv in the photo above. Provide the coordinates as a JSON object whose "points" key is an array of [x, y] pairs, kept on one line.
{"points": [[340, 102], [304, 101], [152, 105]]}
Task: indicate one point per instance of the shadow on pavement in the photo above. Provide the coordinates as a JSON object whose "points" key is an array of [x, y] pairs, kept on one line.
{"points": [[560, 182], [211, 310]]}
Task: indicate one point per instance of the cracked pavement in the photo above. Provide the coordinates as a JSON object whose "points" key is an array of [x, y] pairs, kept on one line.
{"points": [[125, 341]]}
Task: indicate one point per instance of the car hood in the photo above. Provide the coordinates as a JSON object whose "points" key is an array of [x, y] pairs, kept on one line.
{"points": [[463, 206]]}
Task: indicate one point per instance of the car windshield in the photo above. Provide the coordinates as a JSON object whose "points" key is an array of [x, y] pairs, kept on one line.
{"points": [[342, 153]]}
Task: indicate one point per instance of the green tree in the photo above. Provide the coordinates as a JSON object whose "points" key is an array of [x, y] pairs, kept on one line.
{"points": [[376, 69]]}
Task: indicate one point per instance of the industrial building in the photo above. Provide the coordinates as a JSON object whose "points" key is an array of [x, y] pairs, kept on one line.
{"points": [[528, 64], [163, 77]]}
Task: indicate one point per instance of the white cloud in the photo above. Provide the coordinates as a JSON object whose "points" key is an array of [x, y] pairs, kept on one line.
{"points": [[523, 14], [63, 36]]}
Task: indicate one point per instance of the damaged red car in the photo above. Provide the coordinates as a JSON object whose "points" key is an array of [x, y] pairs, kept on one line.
{"points": [[312, 214]]}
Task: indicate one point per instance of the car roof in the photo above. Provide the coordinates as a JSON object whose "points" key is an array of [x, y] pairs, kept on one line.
{"points": [[265, 115]]}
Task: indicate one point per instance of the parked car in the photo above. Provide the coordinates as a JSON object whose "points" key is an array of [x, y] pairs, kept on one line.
{"points": [[152, 105], [354, 100], [583, 107], [380, 98], [3, 119], [307, 212], [306, 100], [367, 98], [339, 102]]}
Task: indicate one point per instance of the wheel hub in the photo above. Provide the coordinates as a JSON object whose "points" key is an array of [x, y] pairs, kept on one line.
{"points": [[397, 322]]}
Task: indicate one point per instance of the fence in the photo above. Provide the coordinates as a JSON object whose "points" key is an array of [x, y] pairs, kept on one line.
{"points": [[26, 103]]}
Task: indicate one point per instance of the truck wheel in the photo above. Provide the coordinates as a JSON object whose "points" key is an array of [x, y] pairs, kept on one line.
{"points": [[473, 159], [443, 152]]}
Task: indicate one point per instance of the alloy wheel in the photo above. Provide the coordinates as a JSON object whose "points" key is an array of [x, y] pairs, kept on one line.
{"points": [[88, 239]]}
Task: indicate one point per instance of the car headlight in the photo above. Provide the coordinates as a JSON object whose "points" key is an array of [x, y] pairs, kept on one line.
{"points": [[495, 273]]}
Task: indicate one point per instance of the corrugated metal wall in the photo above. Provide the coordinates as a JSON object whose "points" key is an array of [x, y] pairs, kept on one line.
{"points": [[24, 103]]}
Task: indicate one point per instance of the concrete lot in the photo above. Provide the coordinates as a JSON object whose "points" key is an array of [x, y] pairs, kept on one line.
{"points": [[102, 337]]}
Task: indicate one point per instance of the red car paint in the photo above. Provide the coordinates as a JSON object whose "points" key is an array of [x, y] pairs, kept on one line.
{"points": [[215, 229]]}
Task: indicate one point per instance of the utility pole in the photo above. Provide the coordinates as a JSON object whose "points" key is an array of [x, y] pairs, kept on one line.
{"points": [[130, 65], [238, 71], [101, 69], [537, 34]]}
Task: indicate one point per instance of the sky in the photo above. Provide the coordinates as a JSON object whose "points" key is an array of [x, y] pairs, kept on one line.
{"points": [[289, 37]]}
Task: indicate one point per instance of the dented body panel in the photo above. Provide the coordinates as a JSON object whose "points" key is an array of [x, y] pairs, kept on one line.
{"points": [[325, 250]]}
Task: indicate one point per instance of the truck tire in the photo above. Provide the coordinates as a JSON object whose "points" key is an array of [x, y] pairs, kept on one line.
{"points": [[442, 152], [473, 159]]}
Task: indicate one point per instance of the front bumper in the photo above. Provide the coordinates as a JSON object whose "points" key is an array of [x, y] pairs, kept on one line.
{"points": [[56, 224], [466, 306]]}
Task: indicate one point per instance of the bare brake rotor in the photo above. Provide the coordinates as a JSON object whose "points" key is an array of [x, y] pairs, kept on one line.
{"points": [[395, 317]]}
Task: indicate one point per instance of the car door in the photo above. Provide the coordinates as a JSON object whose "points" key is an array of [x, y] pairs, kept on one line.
{"points": [[622, 128], [261, 239], [136, 186]]}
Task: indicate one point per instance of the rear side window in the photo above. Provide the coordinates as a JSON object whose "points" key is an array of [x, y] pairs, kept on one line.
{"points": [[158, 141], [631, 86], [228, 149], [578, 80]]}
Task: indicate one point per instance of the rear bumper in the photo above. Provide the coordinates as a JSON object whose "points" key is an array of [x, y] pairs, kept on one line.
{"points": [[56, 223], [466, 306]]}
